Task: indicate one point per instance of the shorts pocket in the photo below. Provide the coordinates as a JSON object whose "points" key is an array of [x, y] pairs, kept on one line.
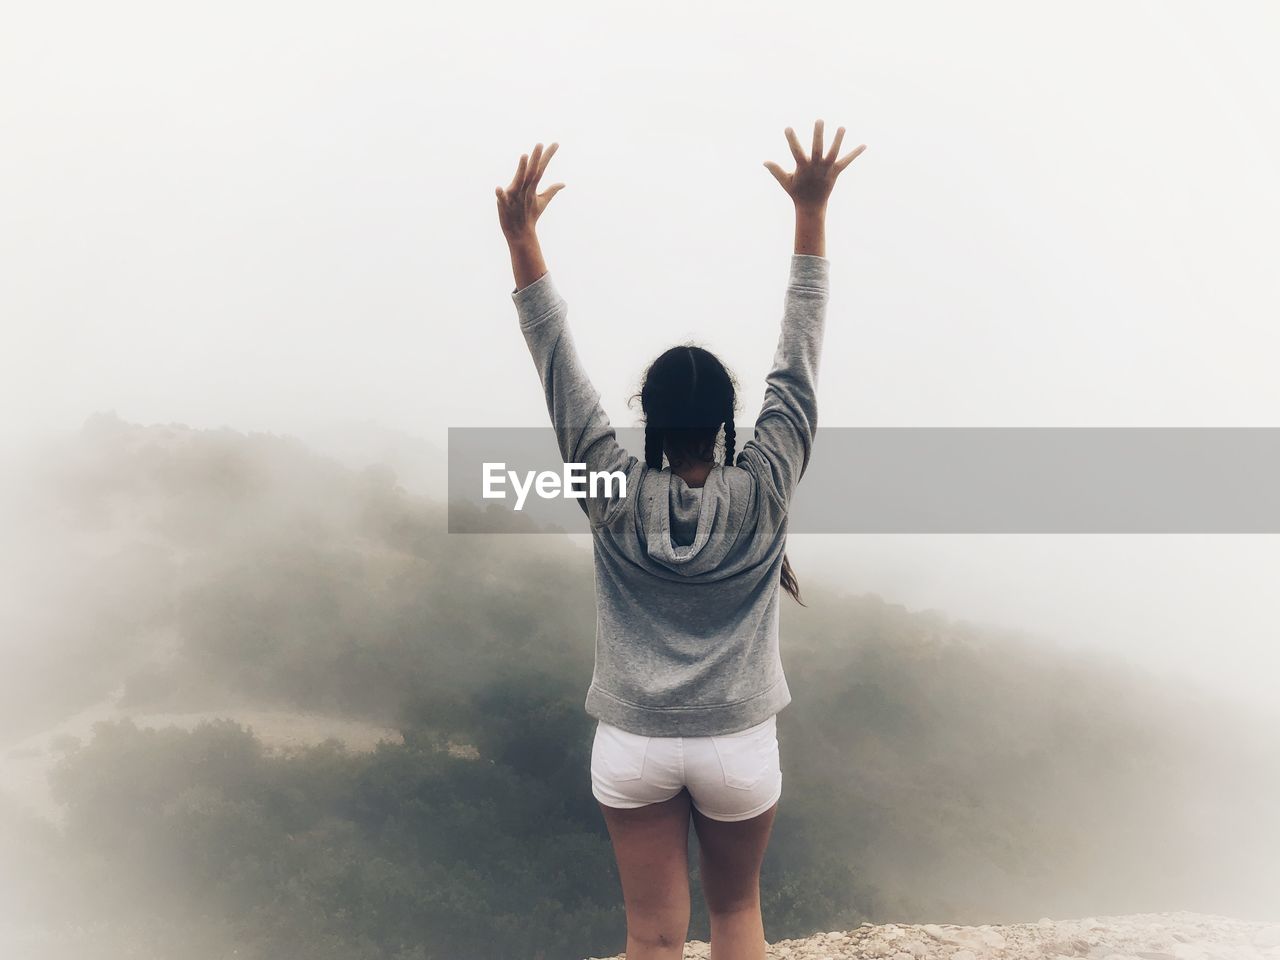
{"points": [[746, 760], [619, 754]]}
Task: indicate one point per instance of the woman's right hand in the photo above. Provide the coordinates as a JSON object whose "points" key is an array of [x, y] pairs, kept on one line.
{"points": [[520, 205], [815, 175]]}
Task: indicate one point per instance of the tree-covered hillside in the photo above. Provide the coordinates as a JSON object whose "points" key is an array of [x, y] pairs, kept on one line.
{"points": [[933, 771]]}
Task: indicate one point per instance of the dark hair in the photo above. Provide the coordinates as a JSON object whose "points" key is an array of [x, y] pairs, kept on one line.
{"points": [[687, 396]]}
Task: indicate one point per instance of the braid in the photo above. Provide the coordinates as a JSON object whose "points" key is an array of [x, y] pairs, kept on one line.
{"points": [[730, 437], [653, 446]]}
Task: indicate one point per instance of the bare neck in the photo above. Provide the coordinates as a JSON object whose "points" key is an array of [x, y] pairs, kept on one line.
{"points": [[694, 474]]}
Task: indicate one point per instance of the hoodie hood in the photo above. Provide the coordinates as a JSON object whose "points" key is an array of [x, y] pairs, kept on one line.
{"points": [[686, 526]]}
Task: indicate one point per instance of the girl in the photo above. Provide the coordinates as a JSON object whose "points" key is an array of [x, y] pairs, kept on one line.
{"points": [[689, 560]]}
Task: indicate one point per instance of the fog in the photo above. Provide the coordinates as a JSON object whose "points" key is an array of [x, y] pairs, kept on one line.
{"points": [[279, 218]]}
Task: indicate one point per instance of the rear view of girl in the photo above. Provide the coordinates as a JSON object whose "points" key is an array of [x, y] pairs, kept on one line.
{"points": [[689, 564]]}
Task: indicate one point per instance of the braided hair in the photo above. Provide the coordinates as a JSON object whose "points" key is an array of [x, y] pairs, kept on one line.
{"points": [[688, 397]]}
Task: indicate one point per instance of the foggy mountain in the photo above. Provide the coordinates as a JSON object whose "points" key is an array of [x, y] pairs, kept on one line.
{"points": [[934, 771]]}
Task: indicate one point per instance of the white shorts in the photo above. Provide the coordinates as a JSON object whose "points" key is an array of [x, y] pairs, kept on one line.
{"points": [[731, 777]]}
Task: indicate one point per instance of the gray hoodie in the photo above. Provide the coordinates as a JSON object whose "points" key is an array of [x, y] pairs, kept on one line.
{"points": [[687, 579]]}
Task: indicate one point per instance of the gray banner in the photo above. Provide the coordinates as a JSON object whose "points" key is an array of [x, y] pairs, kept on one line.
{"points": [[941, 480]]}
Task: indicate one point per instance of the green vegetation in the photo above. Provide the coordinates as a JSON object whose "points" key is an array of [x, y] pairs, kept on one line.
{"points": [[932, 771]]}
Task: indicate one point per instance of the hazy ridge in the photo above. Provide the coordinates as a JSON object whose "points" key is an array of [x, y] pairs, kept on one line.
{"points": [[935, 772]]}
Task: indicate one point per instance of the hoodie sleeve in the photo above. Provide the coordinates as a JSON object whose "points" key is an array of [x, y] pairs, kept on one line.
{"points": [[779, 452], [582, 428]]}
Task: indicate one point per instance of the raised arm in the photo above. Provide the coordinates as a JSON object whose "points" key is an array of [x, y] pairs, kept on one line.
{"points": [[784, 431], [582, 428]]}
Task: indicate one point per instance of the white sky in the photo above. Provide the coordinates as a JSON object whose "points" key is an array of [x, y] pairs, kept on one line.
{"points": [[274, 216]]}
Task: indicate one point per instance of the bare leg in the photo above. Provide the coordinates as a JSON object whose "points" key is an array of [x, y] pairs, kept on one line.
{"points": [[651, 844], [731, 854]]}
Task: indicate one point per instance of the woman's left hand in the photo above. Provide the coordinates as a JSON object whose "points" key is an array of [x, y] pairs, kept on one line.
{"points": [[815, 176], [520, 205]]}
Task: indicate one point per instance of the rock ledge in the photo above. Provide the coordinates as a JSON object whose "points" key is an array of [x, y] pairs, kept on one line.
{"points": [[1140, 936]]}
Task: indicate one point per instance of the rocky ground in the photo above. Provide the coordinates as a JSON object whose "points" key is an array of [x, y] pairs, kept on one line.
{"points": [[1144, 936]]}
